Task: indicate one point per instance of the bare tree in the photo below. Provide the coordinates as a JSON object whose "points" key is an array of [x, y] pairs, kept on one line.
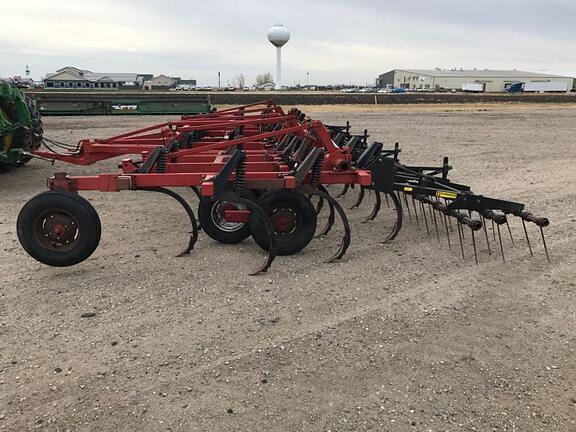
{"points": [[240, 81], [264, 78]]}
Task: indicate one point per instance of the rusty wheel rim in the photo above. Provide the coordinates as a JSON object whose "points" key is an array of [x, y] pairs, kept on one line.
{"points": [[56, 230]]}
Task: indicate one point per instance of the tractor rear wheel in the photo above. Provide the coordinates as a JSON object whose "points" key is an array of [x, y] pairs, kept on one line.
{"points": [[293, 218], [59, 228], [211, 217]]}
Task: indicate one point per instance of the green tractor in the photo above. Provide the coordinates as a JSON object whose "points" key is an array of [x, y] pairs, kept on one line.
{"points": [[20, 126]]}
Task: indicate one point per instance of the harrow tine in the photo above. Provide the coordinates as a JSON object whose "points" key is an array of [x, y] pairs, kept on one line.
{"points": [[425, 218], [387, 202], [493, 230], [408, 207], [399, 217], [449, 220], [183, 203], [260, 213], [544, 243], [346, 187], [346, 238], [460, 238], [447, 232], [527, 238], [359, 199], [196, 192], [436, 225], [486, 234], [510, 232], [415, 210], [376, 208], [474, 245], [319, 205], [331, 218], [501, 246]]}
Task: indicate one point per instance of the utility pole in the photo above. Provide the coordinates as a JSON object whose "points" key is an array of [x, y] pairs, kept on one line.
{"points": [[218, 79], [307, 80]]}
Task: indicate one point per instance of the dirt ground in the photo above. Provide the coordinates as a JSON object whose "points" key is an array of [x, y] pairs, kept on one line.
{"points": [[397, 337]]}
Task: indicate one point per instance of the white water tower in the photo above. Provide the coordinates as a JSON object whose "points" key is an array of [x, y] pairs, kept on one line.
{"points": [[278, 36]]}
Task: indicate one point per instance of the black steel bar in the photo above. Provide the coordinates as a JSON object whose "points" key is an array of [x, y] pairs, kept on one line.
{"points": [[544, 242], [527, 238], [501, 246]]}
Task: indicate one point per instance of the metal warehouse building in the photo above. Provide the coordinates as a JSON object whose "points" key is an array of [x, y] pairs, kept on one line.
{"points": [[493, 80]]}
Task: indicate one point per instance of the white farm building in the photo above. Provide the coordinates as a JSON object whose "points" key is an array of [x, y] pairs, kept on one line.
{"points": [[491, 80]]}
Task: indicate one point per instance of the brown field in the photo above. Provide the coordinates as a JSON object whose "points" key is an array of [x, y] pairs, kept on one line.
{"points": [[397, 337]]}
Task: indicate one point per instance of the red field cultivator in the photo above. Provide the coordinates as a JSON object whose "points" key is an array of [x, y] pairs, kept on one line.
{"points": [[255, 170]]}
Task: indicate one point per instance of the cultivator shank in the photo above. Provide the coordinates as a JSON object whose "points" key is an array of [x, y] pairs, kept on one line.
{"points": [[255, 170]]}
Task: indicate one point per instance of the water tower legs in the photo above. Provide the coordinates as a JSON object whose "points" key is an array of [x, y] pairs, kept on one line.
{"points": [[278, 68]]}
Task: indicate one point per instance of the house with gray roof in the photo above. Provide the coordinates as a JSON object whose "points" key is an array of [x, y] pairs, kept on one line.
{"points": [[71, 77]]}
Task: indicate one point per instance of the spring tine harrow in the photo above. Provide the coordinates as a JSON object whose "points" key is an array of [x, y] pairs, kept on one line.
{"points": [[360, 198], [254, 169], [344, 191], [346, 238], [527, 238], [376, 208], [189, 212]]}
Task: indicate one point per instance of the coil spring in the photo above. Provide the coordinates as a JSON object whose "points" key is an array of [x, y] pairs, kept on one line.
{"points": [[240, 178], [317, 169], [161, 162]]}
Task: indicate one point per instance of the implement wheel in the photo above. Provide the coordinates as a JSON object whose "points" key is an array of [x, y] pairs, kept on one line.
{"points": [[293, 218], [211, 216], [59, 228]]}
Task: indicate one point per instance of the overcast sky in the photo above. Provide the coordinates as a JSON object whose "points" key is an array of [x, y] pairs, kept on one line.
{"points": [[341, 41]]}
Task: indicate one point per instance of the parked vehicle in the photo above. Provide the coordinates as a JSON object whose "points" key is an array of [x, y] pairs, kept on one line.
{"points": [[474, 87], [549, 86]]}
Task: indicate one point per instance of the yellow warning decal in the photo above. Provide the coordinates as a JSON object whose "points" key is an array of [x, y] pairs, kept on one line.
{"points": [[446, 195], [408, 189]]}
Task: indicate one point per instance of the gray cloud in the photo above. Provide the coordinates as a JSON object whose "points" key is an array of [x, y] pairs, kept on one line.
{"points": [[335, 41]]}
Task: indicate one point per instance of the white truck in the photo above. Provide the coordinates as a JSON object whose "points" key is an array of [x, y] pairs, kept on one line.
{"points": [[546, 86], [474, 87]]}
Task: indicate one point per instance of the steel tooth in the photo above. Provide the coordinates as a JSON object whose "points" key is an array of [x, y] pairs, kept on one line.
{"points": [[449, 219], [447, 232], [436, 225], [486, 234], [415, 210], [194, 234], [474, 245], [346, 187], [196, 192], [510, 232], [425, 218], [330, 222], [527, 238], [346, 238], [408, 207], [268, 227], [398, 223], [387, 202], [461, 241], [493, 230], [319, 205], [544, 243], [500, 240], [359, 199], [376, 208]]}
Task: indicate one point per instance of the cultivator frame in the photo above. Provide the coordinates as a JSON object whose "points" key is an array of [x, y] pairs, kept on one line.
{"points": [[254, 169]]}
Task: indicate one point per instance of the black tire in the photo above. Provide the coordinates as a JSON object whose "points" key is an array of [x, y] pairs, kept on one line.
{"points": [[293, 218], [210, 215], [59, 228]]}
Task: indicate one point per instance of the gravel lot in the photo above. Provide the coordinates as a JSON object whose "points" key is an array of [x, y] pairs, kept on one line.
{"points": [[398, 337]]}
